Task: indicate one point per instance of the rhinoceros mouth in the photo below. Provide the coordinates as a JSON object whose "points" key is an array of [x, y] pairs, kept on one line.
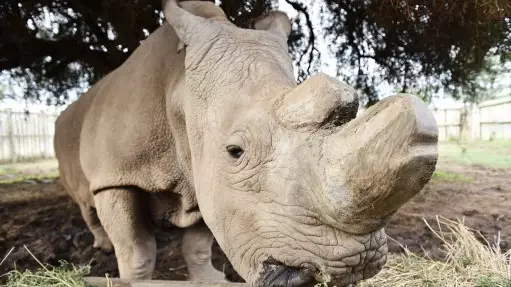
{"points": [[279, 275], [340, 271]]}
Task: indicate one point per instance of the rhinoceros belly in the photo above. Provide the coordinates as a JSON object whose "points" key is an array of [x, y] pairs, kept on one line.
{"points": [[177, 207]]}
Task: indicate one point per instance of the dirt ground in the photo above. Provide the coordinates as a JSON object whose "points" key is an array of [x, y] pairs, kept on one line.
{"points": [[41, 216]]}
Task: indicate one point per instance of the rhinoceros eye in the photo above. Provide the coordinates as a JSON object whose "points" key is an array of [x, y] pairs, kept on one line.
{"points": [[235, 151]]}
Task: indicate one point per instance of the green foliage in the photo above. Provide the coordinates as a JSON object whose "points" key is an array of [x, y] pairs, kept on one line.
{"points": [[57, 46], [492, 81]]}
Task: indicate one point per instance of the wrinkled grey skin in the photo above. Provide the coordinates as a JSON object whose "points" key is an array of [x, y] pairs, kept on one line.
{"points": [[205, 121]]}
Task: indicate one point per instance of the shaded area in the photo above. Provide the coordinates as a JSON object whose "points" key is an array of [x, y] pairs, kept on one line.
{"points": [[42, 217]]}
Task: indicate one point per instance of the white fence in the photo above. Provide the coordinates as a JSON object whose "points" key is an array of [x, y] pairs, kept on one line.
{"points": [[486, 121], [26, 136]]}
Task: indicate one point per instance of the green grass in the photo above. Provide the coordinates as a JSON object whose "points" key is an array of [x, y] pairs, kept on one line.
{"points": [[28, 170], [4, 170], [496, 154], [445, 176], [486, 281], [21, 177]]}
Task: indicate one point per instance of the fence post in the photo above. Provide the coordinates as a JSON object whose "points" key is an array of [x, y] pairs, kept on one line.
{"points": [[475, 122], [464, 123], [10, 137]]}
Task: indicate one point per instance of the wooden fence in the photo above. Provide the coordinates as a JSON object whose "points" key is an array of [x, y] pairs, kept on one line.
{"points": [[485, 121], [26, 136]]}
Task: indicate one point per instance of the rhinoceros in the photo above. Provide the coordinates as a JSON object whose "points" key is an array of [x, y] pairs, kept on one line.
{"points": [[205, 127]]}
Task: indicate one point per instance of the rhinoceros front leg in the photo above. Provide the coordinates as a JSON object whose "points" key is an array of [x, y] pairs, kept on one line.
{"points": [[123, 214], [196, 249]]}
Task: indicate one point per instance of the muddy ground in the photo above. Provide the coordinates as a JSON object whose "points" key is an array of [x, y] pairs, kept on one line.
{"points": [[41, 216]]}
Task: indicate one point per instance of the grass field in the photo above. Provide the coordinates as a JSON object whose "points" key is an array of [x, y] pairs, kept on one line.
{"points": [[496, 154], [19, 172]]}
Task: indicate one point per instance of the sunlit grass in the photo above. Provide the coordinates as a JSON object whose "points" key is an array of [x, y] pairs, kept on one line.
{"points": [[28, 171], [445, 176], [495, 154], [21, 177]]}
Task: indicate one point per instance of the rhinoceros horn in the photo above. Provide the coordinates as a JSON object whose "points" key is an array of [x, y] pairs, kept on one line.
{"points": [[319, 102]]}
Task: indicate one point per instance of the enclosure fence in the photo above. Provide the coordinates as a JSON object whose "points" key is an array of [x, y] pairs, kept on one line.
{"points": [[26, 135], [30, 135], [488, 120]]}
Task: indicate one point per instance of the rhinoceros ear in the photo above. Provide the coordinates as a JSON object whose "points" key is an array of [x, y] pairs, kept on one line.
{"points": [[274, 21], [187, 17]]}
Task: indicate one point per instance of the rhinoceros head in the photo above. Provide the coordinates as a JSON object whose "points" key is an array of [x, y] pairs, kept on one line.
{"points": [[294, 187]]}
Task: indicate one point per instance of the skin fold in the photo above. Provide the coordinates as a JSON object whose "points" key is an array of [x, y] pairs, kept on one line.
{"points": [[204, 127]]}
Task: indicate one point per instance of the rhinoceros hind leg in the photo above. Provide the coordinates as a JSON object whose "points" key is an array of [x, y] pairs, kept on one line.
{"points": [[101, 239], [196, 249], [123, 214]]}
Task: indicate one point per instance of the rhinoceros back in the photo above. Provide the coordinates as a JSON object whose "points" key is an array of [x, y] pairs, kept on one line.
{"points": [[117, 133], [66, 143]]}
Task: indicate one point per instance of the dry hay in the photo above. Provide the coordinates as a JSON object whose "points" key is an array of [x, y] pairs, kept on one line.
{"points": [[468, 262], [65, 275]]}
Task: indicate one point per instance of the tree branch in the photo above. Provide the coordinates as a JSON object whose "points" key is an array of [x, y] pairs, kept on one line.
{"points": [[36, 49], [312, 36]]}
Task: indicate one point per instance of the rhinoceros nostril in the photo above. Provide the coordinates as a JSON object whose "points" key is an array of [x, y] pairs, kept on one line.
{"points": [[301, 278], [285, 276]]}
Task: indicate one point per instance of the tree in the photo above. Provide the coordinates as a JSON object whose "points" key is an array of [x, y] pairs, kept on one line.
{"points": [[55, 46], [493, 81]]}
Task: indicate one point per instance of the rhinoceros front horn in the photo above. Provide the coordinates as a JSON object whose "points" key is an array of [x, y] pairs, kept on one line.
{"points": [[377, 162], [319, 102]]}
